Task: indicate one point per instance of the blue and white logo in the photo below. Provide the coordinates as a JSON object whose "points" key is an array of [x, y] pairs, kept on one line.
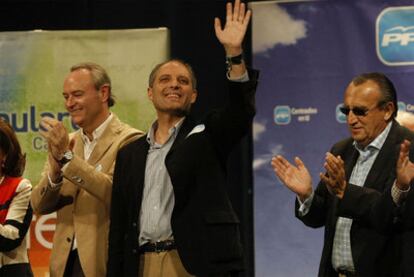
{"points": [[395, 36], [340, 117], [281, 115]]}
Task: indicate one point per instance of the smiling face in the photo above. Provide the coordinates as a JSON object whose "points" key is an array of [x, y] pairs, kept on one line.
{"points": [[366, 96], [86, 105], [172, 92]]}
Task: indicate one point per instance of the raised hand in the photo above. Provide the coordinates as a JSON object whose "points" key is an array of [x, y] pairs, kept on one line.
{"points": [[335, 179], [296, 178], [237, 20], [56, 135], [405, 168]]}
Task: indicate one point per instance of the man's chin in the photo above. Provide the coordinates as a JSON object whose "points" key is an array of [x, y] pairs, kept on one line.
{"points": [[77, 122], [178, 112]]}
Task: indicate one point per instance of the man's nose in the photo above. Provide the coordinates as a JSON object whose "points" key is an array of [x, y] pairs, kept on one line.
{"points": [[69, 102], [175, 83], [351, 118]]}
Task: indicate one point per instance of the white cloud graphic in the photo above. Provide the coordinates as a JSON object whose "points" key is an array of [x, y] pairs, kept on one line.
{"points": [[258, 129], [272, 25], [260, 162], [264, 159]]}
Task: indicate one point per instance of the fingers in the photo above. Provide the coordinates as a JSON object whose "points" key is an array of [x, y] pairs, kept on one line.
{"points": [[405, 147], [280, 163], [334, 165], [280, 167], [404, 152], [236, 10], [332, 185], [299, 163], [327, 180], [229, 12], [54, 132], [49, 121], [246, 19], [217, 26]]}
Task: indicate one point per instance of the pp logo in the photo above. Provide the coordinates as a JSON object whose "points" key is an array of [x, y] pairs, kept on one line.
{"points": [[281, 115], [340, 117], [395, 36]]}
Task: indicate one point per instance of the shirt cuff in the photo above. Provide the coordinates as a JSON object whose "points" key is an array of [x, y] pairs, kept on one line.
{"points": [[54, 185], [397, 194], [243, 78], [305, 205]]}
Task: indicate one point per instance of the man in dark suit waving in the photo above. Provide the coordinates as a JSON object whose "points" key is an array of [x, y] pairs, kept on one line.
{"points": [[170, 213], [358, 168]]}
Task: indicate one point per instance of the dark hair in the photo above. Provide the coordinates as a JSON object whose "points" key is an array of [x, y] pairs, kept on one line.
{"points": [[9, 145], [385, 85], [99, 77], [155, 70]]}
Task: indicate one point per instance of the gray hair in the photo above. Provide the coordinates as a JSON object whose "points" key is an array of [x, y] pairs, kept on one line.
{"points": [[99, 77]]}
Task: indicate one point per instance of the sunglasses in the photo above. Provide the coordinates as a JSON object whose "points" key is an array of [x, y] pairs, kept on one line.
{"points": [[356, 111], [359, 111]]}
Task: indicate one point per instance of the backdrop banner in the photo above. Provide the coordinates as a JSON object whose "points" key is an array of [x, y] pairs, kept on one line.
{"points": [[308, 52], [33, 66]]}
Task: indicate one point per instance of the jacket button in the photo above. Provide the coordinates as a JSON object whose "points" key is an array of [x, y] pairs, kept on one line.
{"points": [[68, 240], [134, 251], [134, 224], [77, 179]]}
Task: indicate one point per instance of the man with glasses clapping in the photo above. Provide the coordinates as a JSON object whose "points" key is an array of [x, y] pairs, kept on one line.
{"points": [[357, 168]]}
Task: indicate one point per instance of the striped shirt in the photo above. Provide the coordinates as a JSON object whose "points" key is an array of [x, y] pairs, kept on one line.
{"points": [[341, 250], [158, 197]]}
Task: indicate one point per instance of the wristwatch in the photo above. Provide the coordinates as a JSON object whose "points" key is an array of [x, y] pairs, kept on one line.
{"points": [[67, 157], [234, 60]]}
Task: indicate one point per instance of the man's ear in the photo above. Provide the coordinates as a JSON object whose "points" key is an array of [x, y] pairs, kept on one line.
{"points": [[194, 96], [389, 110], [149, 93], [105, 90]]}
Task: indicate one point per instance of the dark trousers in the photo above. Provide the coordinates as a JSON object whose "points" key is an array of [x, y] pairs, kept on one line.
{"points": [[73, 267]]}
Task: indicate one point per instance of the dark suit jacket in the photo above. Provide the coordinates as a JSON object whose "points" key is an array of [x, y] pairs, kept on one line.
{"points": [[373, 250], [379, 211], [205, 227]]}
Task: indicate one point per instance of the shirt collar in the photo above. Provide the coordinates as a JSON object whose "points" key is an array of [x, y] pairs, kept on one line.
{"points": [[97, 133], [173, 131], [378, 142]]}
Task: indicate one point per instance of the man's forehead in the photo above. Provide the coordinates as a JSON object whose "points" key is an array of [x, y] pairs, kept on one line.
{"points": [[368, 89], [79, 77], [173, 67]]}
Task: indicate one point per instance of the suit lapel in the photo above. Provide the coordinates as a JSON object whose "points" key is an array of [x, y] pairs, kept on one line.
{"points": [[78, 147], [350, 161], [384, 164], [188, 124], [137, 178], [105, 141]]}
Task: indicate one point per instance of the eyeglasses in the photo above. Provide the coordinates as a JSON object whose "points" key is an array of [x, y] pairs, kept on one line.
{"points": [[358, 111]]}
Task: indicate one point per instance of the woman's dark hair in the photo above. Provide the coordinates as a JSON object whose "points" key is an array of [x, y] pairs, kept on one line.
{"points": [[15, 160]]}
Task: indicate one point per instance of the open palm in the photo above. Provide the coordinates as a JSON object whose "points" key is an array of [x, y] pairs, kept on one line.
{"points": [[237, 20], [296, 178]]}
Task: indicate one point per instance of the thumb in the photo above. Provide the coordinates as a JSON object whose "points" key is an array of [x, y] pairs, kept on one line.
{"points": [[217, 26]]}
